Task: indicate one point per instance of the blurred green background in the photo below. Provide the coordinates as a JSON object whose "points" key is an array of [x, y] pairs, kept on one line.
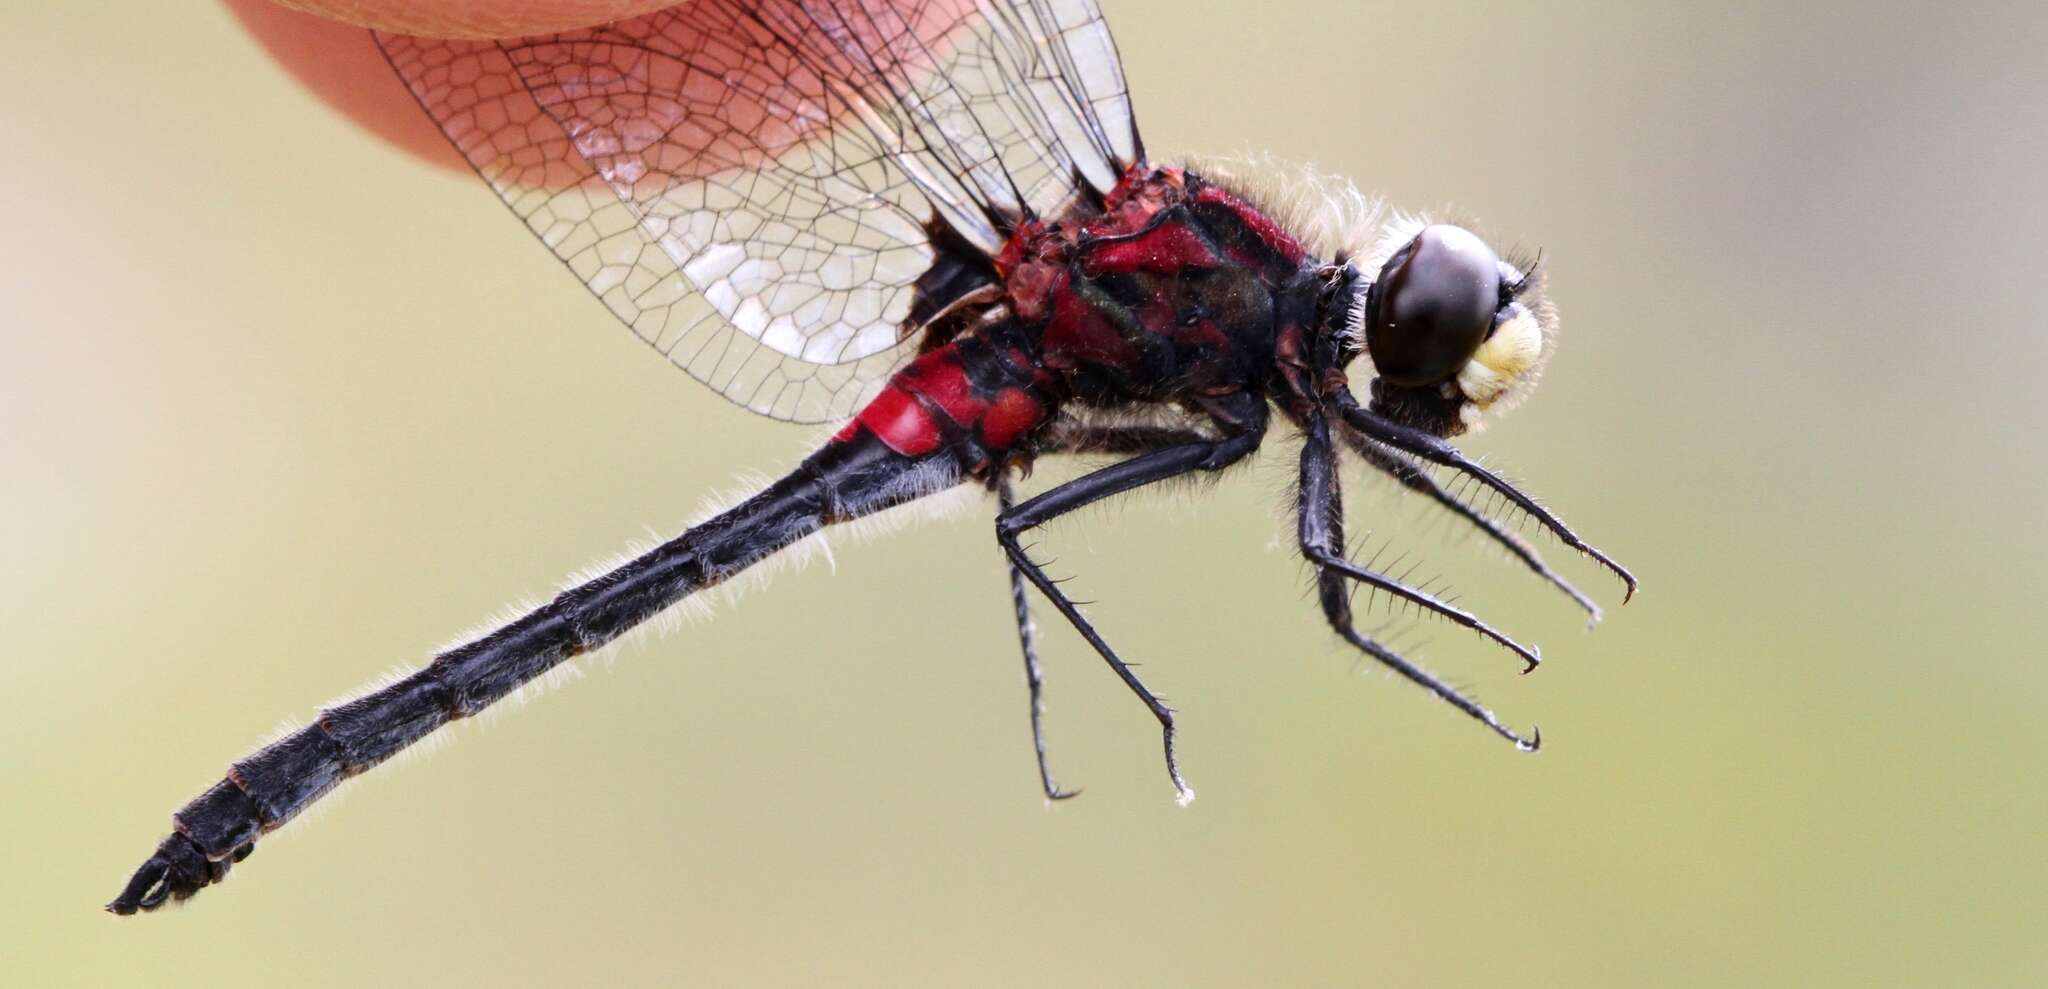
{"points": [[283, 407]]}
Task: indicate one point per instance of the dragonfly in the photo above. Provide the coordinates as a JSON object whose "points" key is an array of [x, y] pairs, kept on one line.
{"points": [[934, 222]]}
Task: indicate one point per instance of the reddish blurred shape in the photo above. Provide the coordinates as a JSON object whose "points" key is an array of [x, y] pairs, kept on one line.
{"points": [[478, 19], [333, 57], [341, 65]]}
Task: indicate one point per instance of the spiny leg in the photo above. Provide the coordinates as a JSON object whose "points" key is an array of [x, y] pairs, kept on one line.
{"points": [[1433, 449], [1414, 478], [1333, 562], [1243, 437], [1069, 437], [1321, 517], [1073, 439], [1027, 635]]}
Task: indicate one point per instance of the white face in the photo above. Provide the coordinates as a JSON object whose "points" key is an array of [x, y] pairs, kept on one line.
{"points": [[1506, 359]]}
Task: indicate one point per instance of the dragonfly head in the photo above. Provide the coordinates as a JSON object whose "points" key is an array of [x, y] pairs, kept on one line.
{"points": [[1452, 331]]}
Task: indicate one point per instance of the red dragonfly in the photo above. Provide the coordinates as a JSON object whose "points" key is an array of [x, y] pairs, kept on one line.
{"points": [[934, 220]]}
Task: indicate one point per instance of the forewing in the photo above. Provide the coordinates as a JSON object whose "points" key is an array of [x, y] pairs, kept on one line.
{"points": [[751, 187]]}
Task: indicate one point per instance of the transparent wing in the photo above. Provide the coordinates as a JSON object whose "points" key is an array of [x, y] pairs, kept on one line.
{"points": [[754, 186]]}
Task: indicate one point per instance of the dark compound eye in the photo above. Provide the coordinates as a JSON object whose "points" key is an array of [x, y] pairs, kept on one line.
{"points": [[1433, 303]]}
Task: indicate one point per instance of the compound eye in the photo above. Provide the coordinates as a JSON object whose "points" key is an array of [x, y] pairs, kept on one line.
{"points": [[1434, 302]]}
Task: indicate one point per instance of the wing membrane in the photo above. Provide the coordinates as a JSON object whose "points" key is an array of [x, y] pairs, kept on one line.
{"points": [[751, 186]]}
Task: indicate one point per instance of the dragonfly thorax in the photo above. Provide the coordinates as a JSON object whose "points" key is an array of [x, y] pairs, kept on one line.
{"points": [[1173, 287]]}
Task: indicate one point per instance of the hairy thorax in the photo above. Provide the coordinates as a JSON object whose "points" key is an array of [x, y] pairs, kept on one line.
{"points": [[1174, 290]]}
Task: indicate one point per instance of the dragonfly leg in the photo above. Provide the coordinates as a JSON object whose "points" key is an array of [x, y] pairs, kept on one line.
{"points": [[1412, 476], [1027, 636], [1121, 440], [1433, 449], [1076, 440], [1241, 437], [1322, 539]]}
